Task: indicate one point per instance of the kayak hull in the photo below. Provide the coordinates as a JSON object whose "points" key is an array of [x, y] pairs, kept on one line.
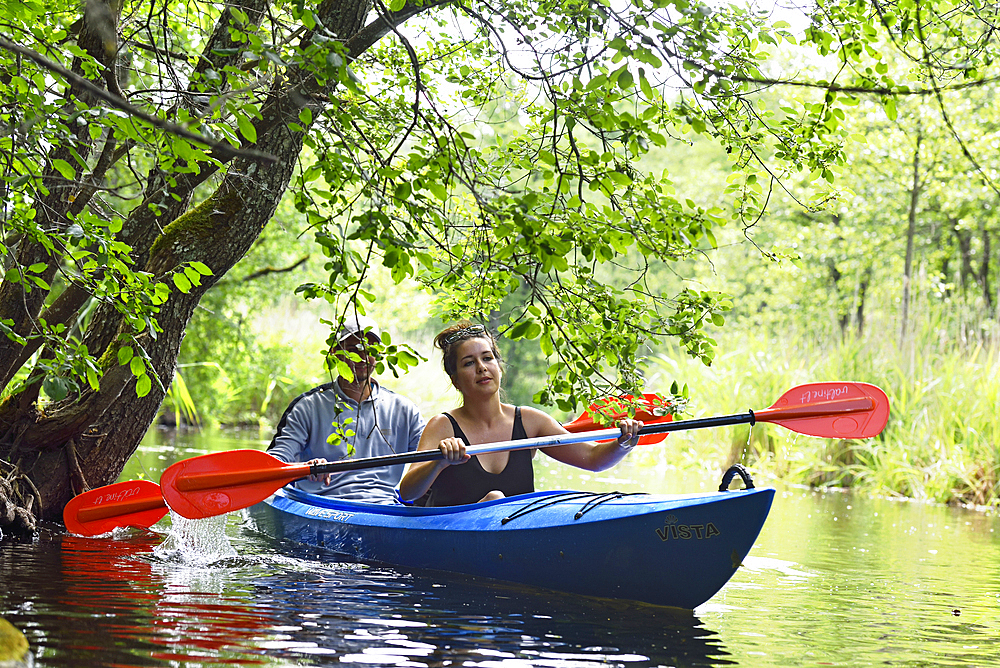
{"points": [[665, 550]]}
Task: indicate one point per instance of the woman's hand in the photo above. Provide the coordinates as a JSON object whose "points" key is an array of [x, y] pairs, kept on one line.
{"points": [[324, 478], [630, 433], [419, 476], [453, 450]]}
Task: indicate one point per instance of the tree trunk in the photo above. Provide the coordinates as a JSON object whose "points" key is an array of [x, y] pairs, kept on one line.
{"points": [[218, 233], [964, 238], [984, 268], [859, 301], [86, 439], [910, 233]]}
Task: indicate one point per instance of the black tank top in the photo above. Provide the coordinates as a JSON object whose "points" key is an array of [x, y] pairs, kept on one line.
{"points": [[469, 482]]}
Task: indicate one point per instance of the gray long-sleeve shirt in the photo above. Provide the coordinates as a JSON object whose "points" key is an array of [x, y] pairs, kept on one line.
{"points": [[384, 424]]}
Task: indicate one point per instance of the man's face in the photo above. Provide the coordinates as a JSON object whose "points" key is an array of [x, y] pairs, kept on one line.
{"points": [[355, 344]]}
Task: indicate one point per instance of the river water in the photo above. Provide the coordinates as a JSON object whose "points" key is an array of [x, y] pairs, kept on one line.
{"points": [[833, 580]]}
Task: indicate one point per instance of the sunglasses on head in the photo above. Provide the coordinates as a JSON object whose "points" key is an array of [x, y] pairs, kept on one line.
{"points": [[464, 333]]}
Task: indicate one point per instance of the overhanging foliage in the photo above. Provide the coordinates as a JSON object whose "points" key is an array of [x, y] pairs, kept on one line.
{"points": [[146, 145]]}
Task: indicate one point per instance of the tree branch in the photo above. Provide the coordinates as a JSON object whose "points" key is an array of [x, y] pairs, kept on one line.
{"points": [[221, 148], [365, 38], [266, 271]]}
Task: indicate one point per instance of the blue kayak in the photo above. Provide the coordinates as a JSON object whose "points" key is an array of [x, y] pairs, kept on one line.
{"points": [[676, 550]]}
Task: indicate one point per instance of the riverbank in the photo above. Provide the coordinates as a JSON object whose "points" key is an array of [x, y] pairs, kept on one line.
{"points": [[941, 442]]}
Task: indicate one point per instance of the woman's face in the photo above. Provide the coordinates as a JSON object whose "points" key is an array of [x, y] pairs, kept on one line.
{"points": [[477, 370]]}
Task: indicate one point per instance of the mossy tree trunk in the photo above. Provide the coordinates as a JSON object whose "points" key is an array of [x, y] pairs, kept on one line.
{"points": [[83, 441]]}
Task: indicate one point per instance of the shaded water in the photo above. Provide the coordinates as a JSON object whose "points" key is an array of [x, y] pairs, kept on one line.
{"points": [[833, 580]]}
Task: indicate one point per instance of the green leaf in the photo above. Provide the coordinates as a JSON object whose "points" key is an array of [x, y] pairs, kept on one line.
{"points": [[890, 108], [526, 329], [92, 379], [143, 384], [625, 80], [247, 129], [644, 86], [182, 283], [546, 345], [201, 268], [124, 355], [192, 275], [160, 293], [438, 190], [64, 168], [344, 370]]}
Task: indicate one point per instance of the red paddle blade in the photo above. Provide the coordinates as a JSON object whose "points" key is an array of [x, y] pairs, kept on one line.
{"points": [[650, 409], [134, 503], [830, 410], [223, 482]]}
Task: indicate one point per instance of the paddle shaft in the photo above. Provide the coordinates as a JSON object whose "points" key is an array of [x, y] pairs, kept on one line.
{"points": [[817, 409], [191, 482]]}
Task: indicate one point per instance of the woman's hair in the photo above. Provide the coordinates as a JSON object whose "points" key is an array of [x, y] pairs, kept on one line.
{"points": [[449, 340]]}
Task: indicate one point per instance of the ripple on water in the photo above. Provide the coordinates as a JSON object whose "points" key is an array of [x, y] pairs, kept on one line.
{"points": [[832, 581], [869, 582]]}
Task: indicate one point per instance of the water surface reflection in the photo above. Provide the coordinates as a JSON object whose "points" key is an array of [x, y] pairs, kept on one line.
{"points": [[127, 601], [372, 615], [833, 580], [843, 580]]}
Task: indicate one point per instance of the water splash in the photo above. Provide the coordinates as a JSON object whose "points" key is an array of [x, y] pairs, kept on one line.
{"points": [[196, 542]]}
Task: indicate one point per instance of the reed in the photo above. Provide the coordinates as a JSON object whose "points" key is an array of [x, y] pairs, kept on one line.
{"points": [[942, 442]]}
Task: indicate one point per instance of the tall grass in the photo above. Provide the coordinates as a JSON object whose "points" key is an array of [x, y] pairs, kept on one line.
{"points": [[942, 442]]}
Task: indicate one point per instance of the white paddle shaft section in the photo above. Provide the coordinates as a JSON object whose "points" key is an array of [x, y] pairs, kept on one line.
{"points": [[500, 446], [545, 441], [796, 417]]}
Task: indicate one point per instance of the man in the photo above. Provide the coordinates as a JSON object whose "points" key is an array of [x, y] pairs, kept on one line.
{"points": [[382, 422]]}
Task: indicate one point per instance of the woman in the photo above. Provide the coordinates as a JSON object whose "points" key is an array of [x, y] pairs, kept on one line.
{"points": [[473, 362]]}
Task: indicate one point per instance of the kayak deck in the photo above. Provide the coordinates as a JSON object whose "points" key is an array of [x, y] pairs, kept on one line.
{"points": [[676, 550]]}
